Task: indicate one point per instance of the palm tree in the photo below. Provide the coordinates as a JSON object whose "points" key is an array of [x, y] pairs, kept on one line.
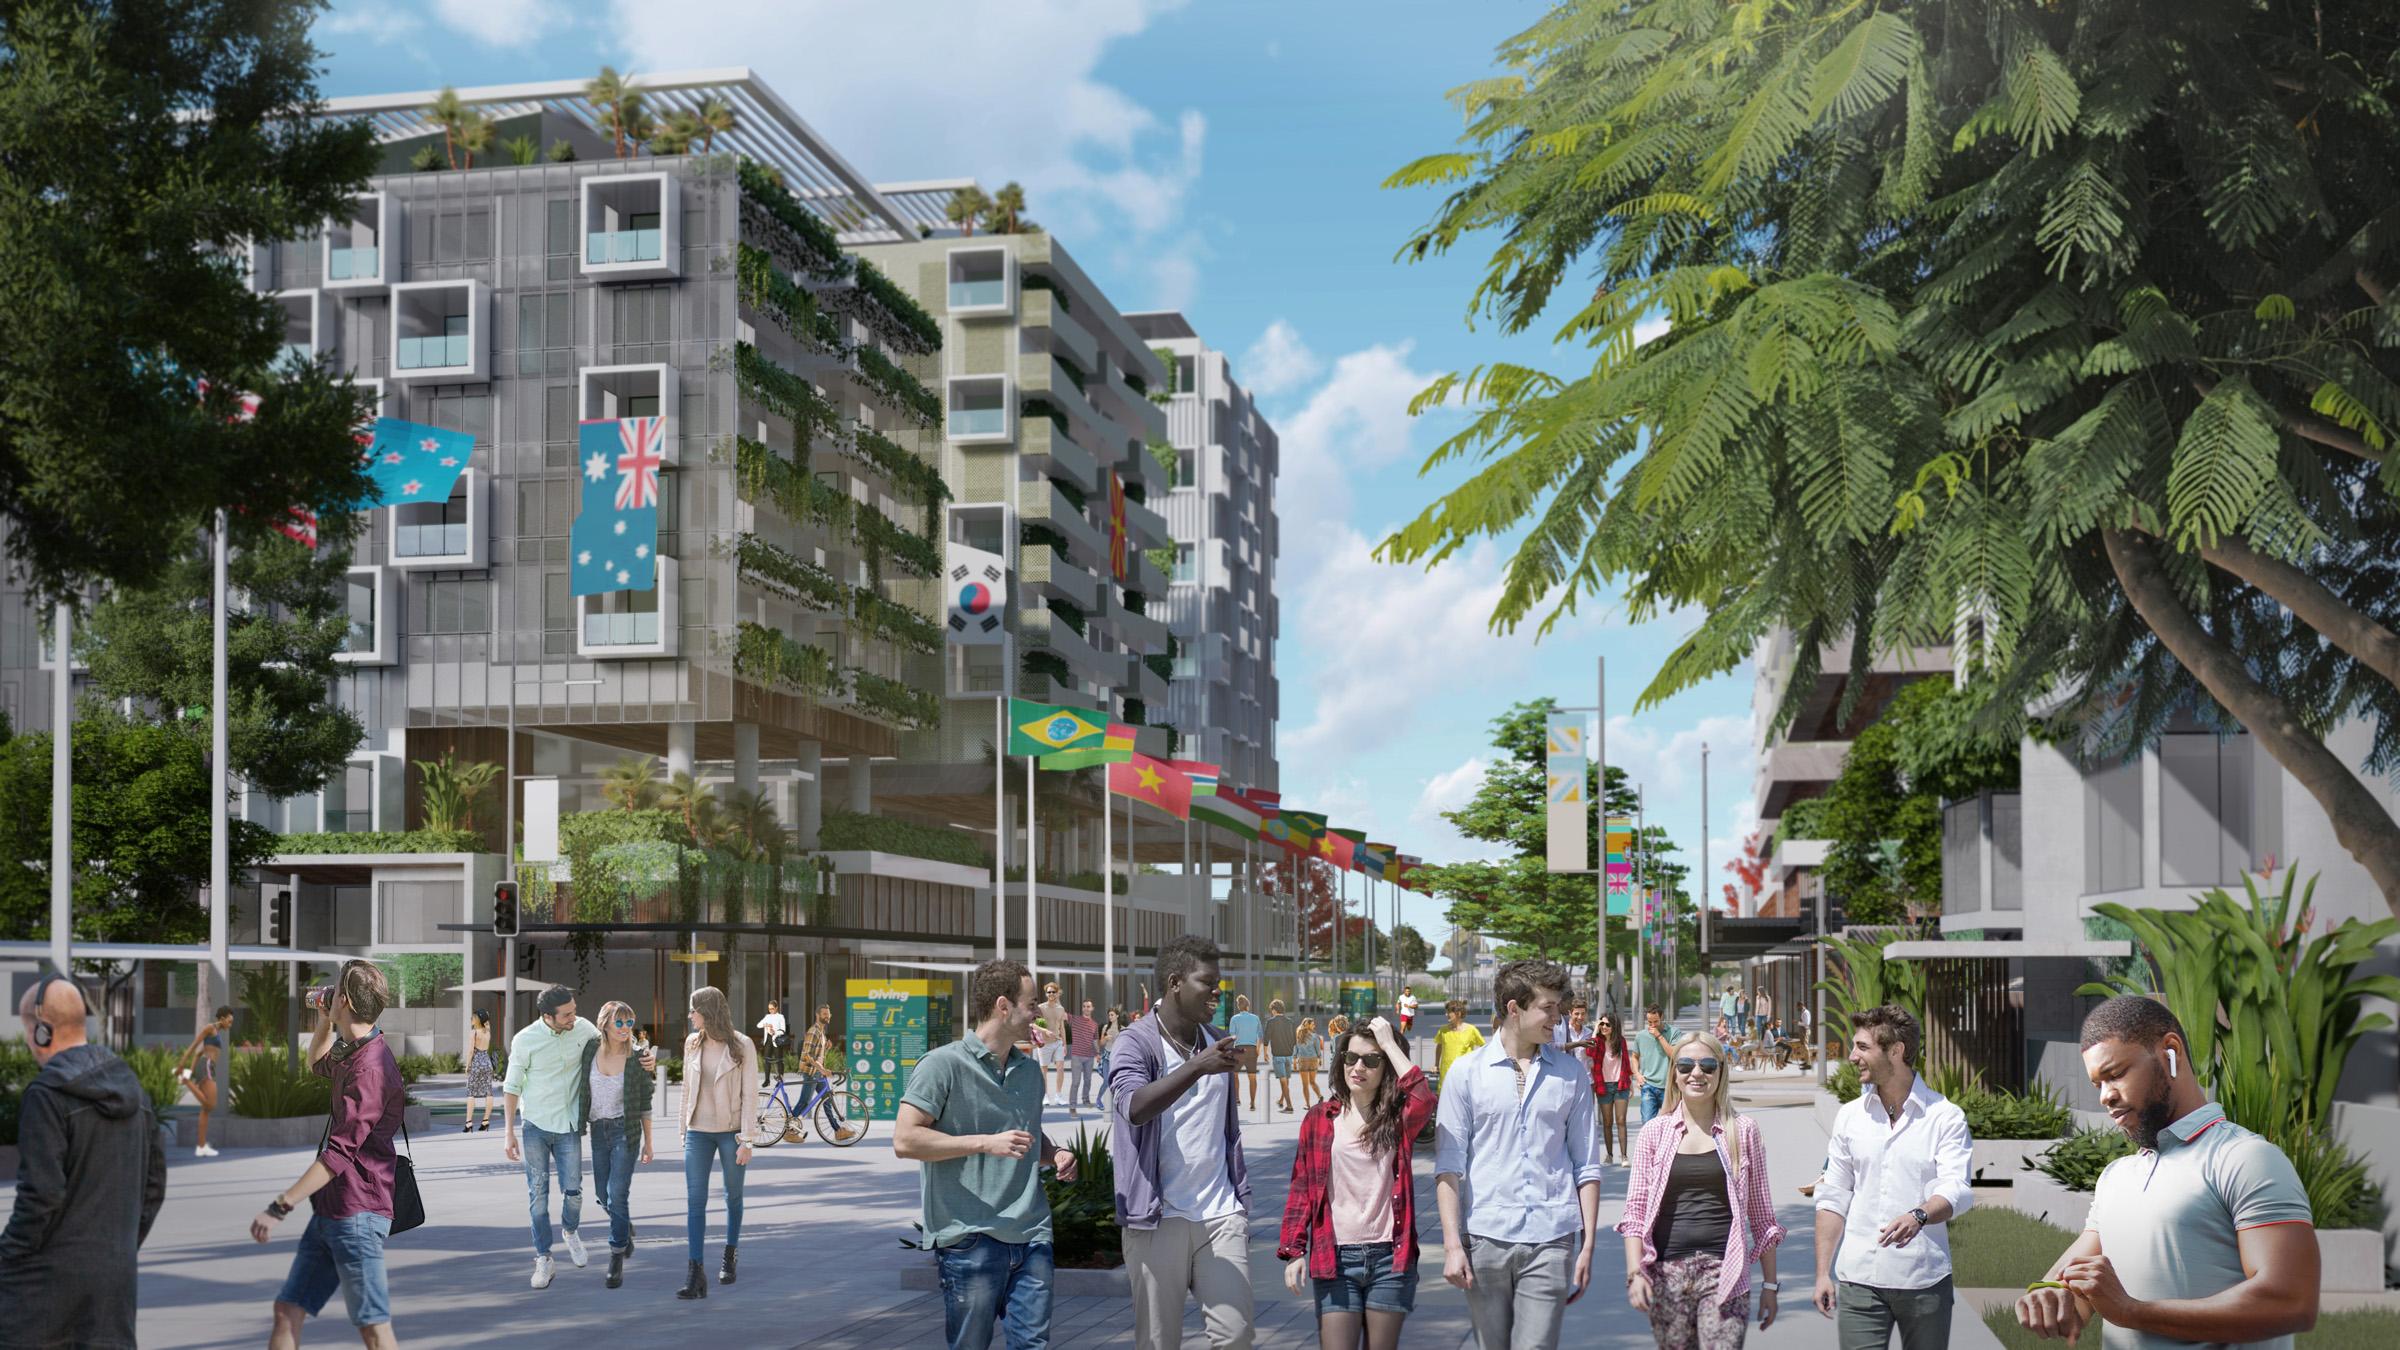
{"points": [[716, 118], [752, 816], [630, 121], [631, 784], [607, 92], [676, 137], [522, 149], [475, 133], [449, 113], [1008, 205], [694, 801], [967, 205]]}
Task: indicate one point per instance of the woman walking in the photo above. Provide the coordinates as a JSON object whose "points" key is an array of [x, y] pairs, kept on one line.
{"points": [[479, 1075], [1613, 1068], [616, 1108], [720, 1113], [1349, 1219], [198, 1069], [1306, 1050], [1698, 1210]]}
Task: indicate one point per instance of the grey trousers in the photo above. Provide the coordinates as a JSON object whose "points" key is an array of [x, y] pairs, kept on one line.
{"points": [[1520, 1296], [1209, 1261], [1869, 1313]]}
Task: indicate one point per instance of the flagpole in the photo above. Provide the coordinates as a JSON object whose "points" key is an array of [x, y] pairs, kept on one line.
{"points": [[62, 792], [1108, 898], [1132, 860], [1033, 904], [1000, 811]]}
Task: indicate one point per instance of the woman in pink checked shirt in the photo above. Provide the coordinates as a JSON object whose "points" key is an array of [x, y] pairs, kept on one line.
{"points": [[1699, 1210]]}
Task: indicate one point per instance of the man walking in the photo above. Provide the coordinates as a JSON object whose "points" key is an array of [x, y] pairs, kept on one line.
{"points": [[1247, 1032], [1655, 1048], [1083, 1051], [351, 1186], [1520, 1128], [2205, 1235], [773, 1036], [1727, 1005], [1408, 1010], [1183, 1190], [1896, 1173], [1455, 1038], [1282, 1034], [545, 1062], [90, 1178], [1050, 1046], [972, 1116]]}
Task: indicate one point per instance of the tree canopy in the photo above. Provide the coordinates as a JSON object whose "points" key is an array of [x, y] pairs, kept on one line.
{"points": [[2064, 333]]}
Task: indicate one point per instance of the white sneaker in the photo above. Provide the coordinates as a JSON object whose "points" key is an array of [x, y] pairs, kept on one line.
{"points": [[575, 1251], [204, 1151], [543, 1272]]}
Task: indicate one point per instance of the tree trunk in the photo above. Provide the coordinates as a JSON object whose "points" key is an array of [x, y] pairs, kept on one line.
{"points": [[2359, 821], [2314, 603]]}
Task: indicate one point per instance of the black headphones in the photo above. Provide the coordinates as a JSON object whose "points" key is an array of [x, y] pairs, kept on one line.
{"points": [[42, 1034]]}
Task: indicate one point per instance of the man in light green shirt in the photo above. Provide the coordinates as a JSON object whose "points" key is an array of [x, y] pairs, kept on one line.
{"points": [[545, 1060], [972, 1115]]}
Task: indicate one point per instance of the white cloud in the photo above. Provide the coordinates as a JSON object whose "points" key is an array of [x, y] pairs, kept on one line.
{"points": [[1666, 763], [1655, 326], [1278, 362], [1429, 835], [501, 23], [1356, 422], [381, 26]]}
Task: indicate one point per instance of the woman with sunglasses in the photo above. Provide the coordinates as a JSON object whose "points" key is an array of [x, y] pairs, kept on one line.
{"points": [[616, 1093], [1698, 1210], [1613, 1070], [1349, 1219]]}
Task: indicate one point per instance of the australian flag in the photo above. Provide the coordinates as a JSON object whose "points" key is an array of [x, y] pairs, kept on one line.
{"points": [[412, 462], [614, 543]]}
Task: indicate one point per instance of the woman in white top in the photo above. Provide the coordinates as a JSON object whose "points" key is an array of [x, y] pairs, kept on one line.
{"points": [[720, 1114]]}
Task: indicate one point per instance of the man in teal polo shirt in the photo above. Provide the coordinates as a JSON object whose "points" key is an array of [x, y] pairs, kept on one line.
{"points": [[972, 1115], [2204, 1235]]}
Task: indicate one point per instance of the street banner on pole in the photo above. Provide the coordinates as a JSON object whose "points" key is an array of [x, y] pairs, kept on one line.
{"points": [[1620, 864], [978, 584], [1569, 766]]}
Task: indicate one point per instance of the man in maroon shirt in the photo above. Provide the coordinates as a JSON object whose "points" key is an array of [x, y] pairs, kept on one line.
{"points": [[1083, 1052], [349, 1186]]}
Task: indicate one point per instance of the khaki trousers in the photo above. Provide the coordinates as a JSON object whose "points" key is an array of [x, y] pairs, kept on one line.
{"points": [[1209, 1260]]}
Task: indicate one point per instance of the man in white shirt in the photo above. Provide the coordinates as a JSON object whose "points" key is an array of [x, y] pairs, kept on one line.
{"points": [[1896, 1173], [1408, 1010], [772, 1031]]}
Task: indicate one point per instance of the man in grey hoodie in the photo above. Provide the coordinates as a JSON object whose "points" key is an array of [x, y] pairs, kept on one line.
{"points": [[90, 1178]]}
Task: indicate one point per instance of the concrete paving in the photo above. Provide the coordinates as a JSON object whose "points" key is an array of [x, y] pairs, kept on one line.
{"points": [[821, 1253]]}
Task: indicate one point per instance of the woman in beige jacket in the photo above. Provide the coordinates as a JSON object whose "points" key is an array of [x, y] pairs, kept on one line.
{"points": [[720, 1113]]}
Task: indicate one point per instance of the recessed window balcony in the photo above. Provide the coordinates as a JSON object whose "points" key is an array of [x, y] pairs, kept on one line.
{"points": [[371, 598], [439, 331], [632, 391], [307, 327], [630, 623], [632, 227], [362, 252], [979, 409], [451, 535], [983, 282]]}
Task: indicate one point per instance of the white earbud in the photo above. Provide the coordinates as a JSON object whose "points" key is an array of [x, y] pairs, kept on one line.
{"points": [[2170, 1063]]}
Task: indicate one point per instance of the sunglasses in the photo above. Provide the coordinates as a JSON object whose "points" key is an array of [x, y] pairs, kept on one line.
{"points": [[1700, 1065], [1369, 1059], [624, 1022]]}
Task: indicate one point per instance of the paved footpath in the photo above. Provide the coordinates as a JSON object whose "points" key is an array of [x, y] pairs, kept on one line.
{"points": [[821, 1259]]}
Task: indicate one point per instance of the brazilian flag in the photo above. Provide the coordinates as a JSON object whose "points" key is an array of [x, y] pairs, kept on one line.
{"points": [[1046, 728]]}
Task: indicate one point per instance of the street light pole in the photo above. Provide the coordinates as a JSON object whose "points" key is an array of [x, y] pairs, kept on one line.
{"points": [[220, 837], [62, 794], [508, 833]]}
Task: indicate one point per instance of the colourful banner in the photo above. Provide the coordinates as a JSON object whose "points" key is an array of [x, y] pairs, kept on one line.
{"points": [[1568, 770], [1620, 864], [1116, 747]]}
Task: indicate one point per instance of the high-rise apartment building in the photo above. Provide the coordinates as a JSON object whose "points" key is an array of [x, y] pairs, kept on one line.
{"points": [[1221, 607]]}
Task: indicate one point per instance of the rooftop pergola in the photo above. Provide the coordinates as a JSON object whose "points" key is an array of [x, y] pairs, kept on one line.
{"points": [[768, 131]]}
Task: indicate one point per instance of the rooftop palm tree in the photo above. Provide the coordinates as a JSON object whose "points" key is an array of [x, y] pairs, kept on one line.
{"points": [[676, 137], [631, 784], [475, 133], [631, 123], [716, 117], [1008, 207], [607, 93], [450, 113], [967, 205]]}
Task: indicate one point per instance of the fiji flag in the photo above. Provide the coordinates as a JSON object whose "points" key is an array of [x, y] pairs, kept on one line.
{"points": [[614, 542], [412, 462]]}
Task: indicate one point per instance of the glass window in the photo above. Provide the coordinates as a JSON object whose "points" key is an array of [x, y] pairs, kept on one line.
{"points": [[1186, 569], [2112, 828], [2203, 809], [558, 242], [441, 605], [1962, 857], [545, 324], [359, 603]]}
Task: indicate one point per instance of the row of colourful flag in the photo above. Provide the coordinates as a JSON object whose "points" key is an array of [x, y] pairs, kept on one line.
{"points": [[1060, 736]]}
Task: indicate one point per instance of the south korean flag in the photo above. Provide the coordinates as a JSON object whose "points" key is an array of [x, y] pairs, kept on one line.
{"points": [[978, 585]]}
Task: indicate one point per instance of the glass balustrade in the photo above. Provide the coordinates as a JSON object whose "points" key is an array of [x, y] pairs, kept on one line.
{"points": [[429, 541], [620, 630], [352, 264], [295, 354], [623, 246], [978, 294], [979, 421], [433, 353]]}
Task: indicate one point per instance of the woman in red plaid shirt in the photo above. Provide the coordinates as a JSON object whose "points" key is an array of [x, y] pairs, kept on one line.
{"points": [[1349, 1220]]}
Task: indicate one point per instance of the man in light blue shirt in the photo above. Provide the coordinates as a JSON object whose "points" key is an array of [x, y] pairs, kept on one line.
{"points": [[1247, 1031], [1517, 1126]]}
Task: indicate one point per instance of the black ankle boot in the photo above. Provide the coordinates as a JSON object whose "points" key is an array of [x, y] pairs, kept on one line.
{"points": [[695, 1285], [616, 1269], [725, 1276]]}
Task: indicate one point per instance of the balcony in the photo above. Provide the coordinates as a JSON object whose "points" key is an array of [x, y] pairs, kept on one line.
{"points": [[630, 624], [1046, 570], [1067, 459], [362, 247], [307, 327], [373, 603], [605, 393], [983, 282], [632, 227], [980, 410], [1983, 875], [440, 331], [451, 536]]}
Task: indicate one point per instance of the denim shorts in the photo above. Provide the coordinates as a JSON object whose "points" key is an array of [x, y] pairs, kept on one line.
{"points": [[1283, 1066], [347, 1254], [1366, 1282]]}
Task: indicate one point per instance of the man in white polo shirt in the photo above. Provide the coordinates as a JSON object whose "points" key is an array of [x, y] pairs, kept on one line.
{"points": [[1896, 1173], [2204, 1235]]}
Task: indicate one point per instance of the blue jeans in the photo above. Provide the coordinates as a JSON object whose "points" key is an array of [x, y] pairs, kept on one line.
{"points": [[543, 1151], [699, 1146], [983, 1280], [1654, 1100], [346, 1254], [615, 1146]]}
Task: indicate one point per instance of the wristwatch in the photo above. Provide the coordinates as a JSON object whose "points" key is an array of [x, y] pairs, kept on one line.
{"points": [[1923, 1219], [277, 1209], [1771, 1286]]}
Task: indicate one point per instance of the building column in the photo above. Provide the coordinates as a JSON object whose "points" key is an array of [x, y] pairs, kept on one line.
{"points": [[809, 815], [683, 746], [745, 756], [862, 785]]}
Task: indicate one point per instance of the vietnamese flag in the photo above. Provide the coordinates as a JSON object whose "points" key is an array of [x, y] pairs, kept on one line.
{"points": [[1147, 780], [1339, 849]]}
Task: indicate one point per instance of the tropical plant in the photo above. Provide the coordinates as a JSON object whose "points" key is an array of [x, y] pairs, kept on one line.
{"points": [[2077, 1161], [967, 206], [676, 135], [264, 1088], [849, 831], [156, 1067], [694, 801], [522, 149], [425, 159], [420, 978], [262, 994], [2037, 1113], [1083, 1219], [1863, 979], [1845, 1083], [631, 784], [1932, 351], [607, 92], [1007, 213], [716, 119], [475, 132], [449, 113], [751, 816], [562, 151], [451, 791]]}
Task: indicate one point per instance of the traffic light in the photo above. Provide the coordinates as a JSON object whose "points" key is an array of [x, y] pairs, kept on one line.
{"points": [[275, 921], [504, 910]]}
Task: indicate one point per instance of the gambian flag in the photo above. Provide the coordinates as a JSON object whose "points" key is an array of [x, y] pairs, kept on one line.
{"points": [[1148, 780], [1046, 728], [1225, 810], [1116, 747], [1202, 774]]}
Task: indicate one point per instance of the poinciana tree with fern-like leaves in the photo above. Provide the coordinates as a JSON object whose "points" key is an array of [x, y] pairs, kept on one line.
{"points": [[2062, 331]]}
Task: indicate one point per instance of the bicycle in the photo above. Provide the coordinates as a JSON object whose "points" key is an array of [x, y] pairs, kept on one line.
{"points": [[841, 1116]]}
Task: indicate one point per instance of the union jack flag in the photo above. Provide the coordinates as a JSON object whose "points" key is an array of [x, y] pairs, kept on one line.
{"points": [[642, 454]]}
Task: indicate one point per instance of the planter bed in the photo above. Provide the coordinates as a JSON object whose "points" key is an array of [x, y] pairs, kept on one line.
{"points": [[2000, 1162], [1064, 1282], [227, 1130]]}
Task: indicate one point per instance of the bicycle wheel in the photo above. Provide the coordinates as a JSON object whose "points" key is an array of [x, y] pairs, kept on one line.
{"points": [[773, 1120], [842, 1118]]}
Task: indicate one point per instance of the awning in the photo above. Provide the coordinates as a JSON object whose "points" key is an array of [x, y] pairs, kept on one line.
{"points": [[2002, 949]]}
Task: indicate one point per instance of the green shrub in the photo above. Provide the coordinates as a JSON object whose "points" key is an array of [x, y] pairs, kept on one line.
{"points": [[2038, 1114], [2339, 1194], [1083, 1217], [414, 1067], [1845, 1084], [264, 1089], [2077, 1161], [154, 1065], [17, 1068], [381, 841], [848, 830]]}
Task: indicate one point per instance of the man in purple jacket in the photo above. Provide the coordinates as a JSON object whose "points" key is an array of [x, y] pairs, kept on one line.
{"points": [[349, 1186], [1183, 1193]]}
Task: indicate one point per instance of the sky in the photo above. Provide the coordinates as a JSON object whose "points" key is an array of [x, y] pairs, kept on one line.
{"points": [[1222, 157]]}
